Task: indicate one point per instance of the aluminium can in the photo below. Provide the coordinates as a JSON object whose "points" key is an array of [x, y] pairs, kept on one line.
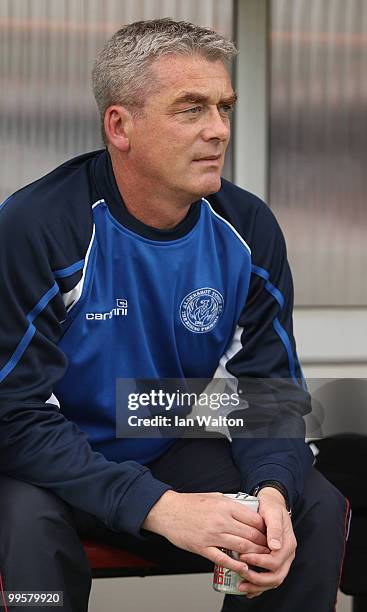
{"points": [[226, 580]]}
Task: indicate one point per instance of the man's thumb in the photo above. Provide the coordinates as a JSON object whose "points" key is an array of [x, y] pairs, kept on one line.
{"points": [[274, 538]]}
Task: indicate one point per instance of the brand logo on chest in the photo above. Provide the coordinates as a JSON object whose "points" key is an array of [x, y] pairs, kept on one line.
{"points": [[200, 310], [120, 310]]}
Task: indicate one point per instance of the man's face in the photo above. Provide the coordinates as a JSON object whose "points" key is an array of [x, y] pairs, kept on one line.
{"points": [[178, 144]]}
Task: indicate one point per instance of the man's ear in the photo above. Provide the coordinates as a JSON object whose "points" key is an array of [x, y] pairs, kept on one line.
{"points": [[118, 125]]}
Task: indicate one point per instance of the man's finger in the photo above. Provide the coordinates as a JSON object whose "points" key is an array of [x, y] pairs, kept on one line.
{"points": [[270, 562], [264, 580], [221, 558], [239, 545], [251, 590], [246, 516], [254, 548], [248, 532], [274, 527]]}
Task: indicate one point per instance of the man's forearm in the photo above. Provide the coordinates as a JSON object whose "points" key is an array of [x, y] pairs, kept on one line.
{"points": [[42, 447]]}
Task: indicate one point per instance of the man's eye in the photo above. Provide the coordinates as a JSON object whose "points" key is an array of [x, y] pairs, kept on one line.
{"points": [[194, 110], [226, 109]]}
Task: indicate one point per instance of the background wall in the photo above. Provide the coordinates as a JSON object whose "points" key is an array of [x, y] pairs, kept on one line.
{"points": [[301, 143], [47, 49], [318, 143]]}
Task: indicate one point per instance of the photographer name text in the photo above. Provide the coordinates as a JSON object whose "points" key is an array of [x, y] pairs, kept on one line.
{"points": [[176, 421]]}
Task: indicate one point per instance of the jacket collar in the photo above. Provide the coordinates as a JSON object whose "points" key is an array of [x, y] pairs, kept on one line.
{"points": [[106, 187]]}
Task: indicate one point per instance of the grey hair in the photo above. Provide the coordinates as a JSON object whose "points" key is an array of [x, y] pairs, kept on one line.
{"points": [[121, 71]]}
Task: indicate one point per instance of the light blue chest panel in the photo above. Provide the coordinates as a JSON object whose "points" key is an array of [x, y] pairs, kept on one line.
{"points": [[148, 309]]}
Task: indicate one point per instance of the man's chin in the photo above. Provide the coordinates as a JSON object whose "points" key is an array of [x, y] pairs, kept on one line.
{"points": [[209, 186]]}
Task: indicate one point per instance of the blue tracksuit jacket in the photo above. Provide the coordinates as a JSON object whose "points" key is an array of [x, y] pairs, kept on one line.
{"points": [[90, 294]]}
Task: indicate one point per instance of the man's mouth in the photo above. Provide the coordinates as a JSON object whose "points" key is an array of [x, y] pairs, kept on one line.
{"points": [[209, 158]]}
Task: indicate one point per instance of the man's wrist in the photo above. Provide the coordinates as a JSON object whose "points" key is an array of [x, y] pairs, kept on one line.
{"points": [[276, 485], [155, 519]]}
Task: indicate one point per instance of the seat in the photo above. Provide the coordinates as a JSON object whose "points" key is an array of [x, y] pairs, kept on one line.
{"points": [[109, 562]]}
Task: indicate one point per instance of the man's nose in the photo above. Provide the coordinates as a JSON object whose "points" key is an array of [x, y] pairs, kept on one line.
{"points": [[217, 126]]}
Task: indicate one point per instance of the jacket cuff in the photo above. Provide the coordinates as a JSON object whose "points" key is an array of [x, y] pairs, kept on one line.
{"points": [[137, 502]]}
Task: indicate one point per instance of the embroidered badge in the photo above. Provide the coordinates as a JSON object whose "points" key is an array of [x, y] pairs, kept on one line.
{"points": [[201, 309]]}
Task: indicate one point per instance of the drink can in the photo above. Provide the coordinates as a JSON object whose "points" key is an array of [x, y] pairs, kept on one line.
{"points": [[226, 580]]}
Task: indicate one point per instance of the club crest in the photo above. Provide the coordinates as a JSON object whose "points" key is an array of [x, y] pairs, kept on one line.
{"points": [[201, 309]]}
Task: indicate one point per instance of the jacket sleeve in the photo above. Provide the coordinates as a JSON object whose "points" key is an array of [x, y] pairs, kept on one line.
{"points": [[37, 443], [268, 370]]}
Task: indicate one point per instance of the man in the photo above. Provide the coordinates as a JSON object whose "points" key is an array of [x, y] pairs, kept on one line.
{"points": [[106, 260]]}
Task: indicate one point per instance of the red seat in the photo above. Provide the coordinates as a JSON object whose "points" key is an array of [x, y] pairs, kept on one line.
{"points": [[109, 562]]}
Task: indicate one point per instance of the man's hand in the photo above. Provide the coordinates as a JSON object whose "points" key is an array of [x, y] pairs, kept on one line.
{"points": [[203, 523], [281, 542]]}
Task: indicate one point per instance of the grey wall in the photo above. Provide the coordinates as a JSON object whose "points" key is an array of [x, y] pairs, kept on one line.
{"points": [[318, 144], [47, 48], [331, 334]]}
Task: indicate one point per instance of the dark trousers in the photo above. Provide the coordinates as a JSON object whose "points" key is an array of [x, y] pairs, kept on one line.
{"points": [[40, 547]]}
